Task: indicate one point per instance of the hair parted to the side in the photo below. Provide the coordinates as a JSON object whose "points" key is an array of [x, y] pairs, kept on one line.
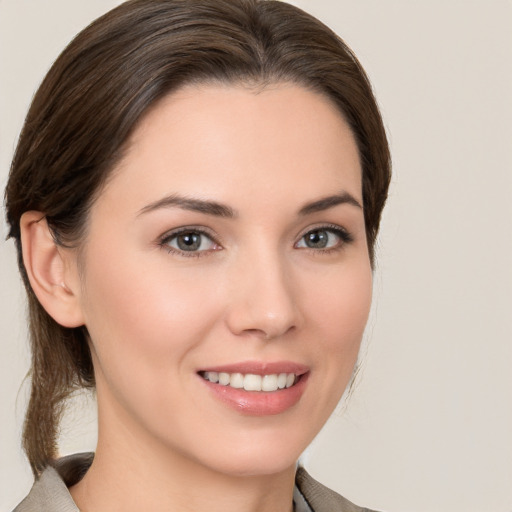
{"points": [[94, 96]]}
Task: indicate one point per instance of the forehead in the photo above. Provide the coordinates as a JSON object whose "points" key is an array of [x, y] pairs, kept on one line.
{"points": [[230, 140]]}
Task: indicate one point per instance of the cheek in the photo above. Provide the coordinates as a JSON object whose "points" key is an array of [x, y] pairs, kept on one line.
{"points": [[140, 315], [341, 311], [344, 304], [144, 327], [338, 311]]}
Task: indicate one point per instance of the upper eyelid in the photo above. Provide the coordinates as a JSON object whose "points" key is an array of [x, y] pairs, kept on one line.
{"points": [[164, 240], [345, 237], [327, 226], [203, 230]]}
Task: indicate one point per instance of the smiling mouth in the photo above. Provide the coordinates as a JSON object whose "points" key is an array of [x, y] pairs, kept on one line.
{"points": [[252, 382]]}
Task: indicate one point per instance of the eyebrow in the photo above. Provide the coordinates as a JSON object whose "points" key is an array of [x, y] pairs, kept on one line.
{"points": [[221, 210], [196, 205], [329, 202]]}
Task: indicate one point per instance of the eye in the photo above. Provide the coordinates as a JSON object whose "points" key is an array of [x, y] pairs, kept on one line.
{"points": [[189, 241], [324, 238]]}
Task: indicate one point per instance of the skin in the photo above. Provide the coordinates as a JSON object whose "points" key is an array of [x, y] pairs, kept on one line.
{"points": [[255, 291]]}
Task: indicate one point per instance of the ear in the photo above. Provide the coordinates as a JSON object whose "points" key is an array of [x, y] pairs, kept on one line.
{"points": [[52, 271]]}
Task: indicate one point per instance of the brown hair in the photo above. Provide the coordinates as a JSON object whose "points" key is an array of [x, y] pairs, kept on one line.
{"points": [[94, 96]]}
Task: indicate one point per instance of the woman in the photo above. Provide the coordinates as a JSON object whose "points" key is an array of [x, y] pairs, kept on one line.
{"points": [[195, 199]]}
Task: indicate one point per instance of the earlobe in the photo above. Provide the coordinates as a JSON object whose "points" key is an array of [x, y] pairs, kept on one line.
{"points": [[51, 270]]}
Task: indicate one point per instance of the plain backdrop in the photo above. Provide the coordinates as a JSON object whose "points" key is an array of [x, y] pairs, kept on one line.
{"points": [[429, 427]]}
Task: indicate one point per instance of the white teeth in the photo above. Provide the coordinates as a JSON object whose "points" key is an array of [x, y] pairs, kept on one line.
{"points": [[269, 383], [252, 382], [224, 378], [212, 376], [237, 380]]}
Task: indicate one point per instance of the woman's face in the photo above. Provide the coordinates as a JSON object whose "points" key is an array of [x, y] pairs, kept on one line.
{"points": [[229, 245]]}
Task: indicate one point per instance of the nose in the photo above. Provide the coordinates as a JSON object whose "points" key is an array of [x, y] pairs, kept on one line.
{"points": [[263, 300]]}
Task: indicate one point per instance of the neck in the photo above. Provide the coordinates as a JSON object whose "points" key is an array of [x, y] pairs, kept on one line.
{"points": [[131, 473]]}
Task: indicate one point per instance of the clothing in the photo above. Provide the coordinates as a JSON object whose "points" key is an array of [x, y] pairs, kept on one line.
{"points": [[50, 492]]}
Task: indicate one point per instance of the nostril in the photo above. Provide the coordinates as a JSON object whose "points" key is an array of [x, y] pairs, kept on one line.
{"points": [[263, 309], [269, 333], [256, 333]]}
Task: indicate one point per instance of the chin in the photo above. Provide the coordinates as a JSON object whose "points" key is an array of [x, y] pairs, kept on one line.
{"points": [[258, 457], [269, 464]]}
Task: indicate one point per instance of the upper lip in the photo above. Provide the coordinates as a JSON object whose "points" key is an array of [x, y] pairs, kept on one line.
{"points": [[259, 368]]}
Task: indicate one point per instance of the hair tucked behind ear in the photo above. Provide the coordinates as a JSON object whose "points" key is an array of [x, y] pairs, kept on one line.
{"points": [[94, 96], [55, 374]]}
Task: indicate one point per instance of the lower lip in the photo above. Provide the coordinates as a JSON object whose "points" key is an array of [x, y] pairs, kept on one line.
{"points": [[259, 403]]}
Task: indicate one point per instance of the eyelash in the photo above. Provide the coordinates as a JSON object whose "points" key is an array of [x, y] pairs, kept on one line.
{"points": [[344, 238], [168, 237]]}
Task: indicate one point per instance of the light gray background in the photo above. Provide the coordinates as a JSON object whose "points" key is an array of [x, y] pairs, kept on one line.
{"points": [[430, 425]]}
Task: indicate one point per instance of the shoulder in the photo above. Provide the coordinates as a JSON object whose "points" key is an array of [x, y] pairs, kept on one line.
{"points": [[321, 498], [50, 491]]}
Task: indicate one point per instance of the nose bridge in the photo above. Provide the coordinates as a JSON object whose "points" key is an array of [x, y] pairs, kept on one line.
{"points": [[262, 295]]}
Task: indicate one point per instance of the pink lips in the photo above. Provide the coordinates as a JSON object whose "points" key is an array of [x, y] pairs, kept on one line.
{"points": [[259, 403]]}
